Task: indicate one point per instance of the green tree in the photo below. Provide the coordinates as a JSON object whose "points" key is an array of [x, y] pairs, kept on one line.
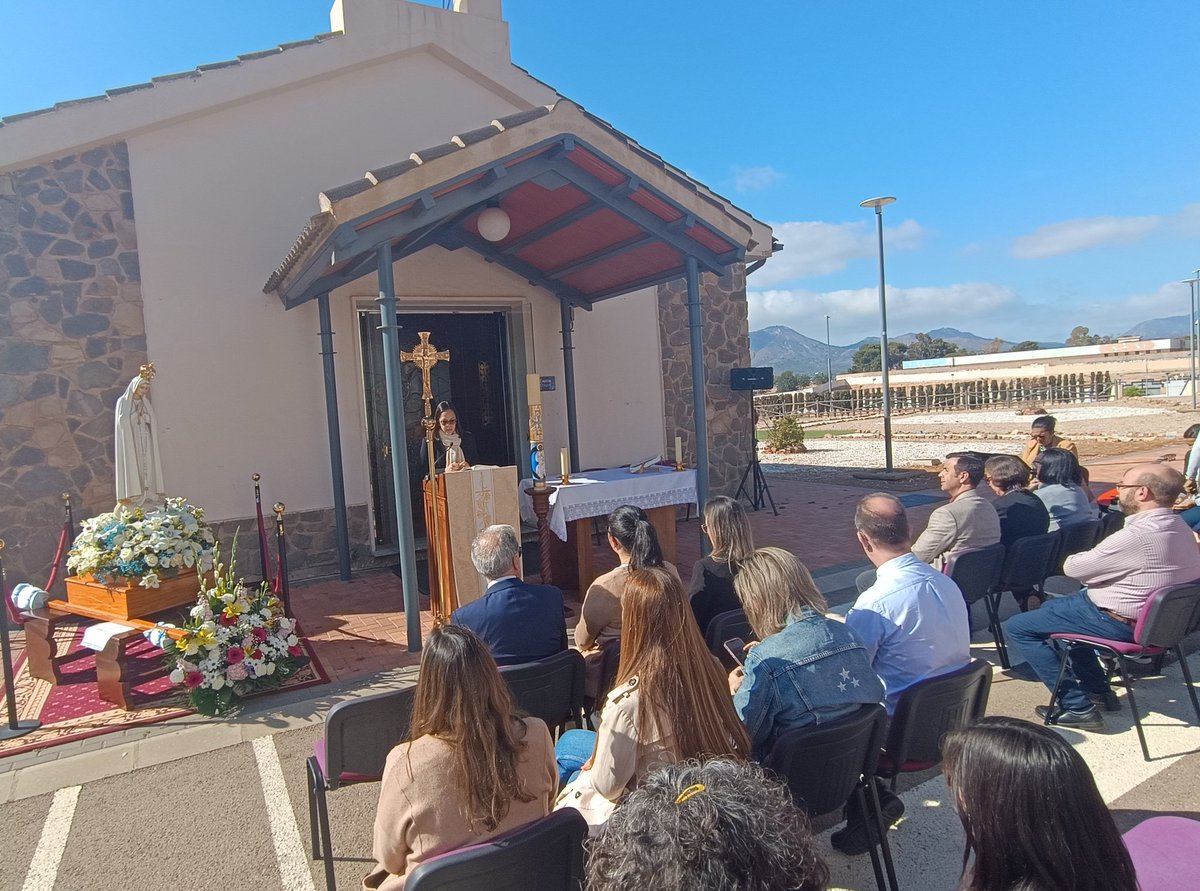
{"points": [[1026, 345], [805, 380], [927, 347], [820, 378], [786, 382], [867, 356], [1080, 336], [996, 345]]}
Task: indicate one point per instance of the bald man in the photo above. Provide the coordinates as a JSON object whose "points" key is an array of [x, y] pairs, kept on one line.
{"points": [[1154, 550]]}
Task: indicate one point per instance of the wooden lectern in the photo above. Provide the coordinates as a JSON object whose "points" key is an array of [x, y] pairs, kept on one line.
{"points": [[468, 502]]}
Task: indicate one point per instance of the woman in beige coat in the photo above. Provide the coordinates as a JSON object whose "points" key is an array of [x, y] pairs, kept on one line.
{"points": [[473, 770]]}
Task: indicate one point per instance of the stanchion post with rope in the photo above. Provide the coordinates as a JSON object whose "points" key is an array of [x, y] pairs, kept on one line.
{"points": [[281, 545], [15, 727]]}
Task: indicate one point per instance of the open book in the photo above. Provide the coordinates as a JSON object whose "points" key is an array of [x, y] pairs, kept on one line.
{"points": [[643, 466]]}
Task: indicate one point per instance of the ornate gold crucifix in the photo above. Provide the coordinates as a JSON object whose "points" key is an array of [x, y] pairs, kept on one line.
{"points": [[442, 600], [425, 355]]}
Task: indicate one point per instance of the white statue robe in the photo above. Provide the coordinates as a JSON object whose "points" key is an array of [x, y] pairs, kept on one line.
{"points": [[138, 465]]}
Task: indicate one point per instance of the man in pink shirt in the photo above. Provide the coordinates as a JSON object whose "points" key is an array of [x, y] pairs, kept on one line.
{"points": [[1154, 550]]}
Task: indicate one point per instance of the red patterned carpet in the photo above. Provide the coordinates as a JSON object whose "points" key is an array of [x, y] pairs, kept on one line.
{"points": [[73, 710]]}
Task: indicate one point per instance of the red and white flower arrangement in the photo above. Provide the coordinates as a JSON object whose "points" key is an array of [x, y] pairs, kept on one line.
{"points": [[237, 641]]}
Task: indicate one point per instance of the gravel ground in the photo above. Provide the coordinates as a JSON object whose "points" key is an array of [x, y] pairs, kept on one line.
{"points": [[919, 441]]}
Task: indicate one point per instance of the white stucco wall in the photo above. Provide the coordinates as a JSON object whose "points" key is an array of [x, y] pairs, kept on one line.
{"points": [[226, 168]]}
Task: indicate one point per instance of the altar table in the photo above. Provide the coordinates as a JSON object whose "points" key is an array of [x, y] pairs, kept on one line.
{"points": [[658, 491]]}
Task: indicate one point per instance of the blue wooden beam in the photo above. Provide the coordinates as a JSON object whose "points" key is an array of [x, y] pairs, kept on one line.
{"points": [[616, 250], [549, 227], [531, 274]]}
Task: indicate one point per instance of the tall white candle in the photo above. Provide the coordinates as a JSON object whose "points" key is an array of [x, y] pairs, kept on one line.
{"points": [[533, 389], [678, 450], [562, 455]]}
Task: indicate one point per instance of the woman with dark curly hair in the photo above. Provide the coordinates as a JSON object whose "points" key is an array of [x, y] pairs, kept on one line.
{"points": [[1033, 816], [720, 826], [474, 769]]}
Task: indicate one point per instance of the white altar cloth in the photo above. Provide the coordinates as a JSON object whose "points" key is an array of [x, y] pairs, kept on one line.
{"points": [[600, 492]]}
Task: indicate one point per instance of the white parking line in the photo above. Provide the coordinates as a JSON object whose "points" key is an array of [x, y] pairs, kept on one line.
{"points": [[285, 834], [43, 870]]}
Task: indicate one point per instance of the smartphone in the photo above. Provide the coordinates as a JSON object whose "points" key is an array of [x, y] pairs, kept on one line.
{"points": [[736, 647]]}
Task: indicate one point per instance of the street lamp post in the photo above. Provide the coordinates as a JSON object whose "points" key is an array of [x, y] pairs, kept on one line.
{"points": [[828, 357], [1192, 345], [878, 204]]}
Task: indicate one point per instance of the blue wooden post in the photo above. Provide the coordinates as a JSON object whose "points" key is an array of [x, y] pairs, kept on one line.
{"points": [[568, 348], [699, 401], [341, 527], [391, 369]]}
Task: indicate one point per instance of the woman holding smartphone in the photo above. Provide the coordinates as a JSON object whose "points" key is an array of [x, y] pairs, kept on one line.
{"points": [[808, 669]]}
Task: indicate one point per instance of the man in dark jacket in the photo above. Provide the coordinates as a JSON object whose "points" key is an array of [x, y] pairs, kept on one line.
{"points": [[519, 621]]}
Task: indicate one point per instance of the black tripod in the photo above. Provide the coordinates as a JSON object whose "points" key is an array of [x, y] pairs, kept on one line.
{"points": [[753, 471]]}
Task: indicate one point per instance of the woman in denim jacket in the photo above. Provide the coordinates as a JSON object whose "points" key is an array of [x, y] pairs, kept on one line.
{"points": [[807, 669]]}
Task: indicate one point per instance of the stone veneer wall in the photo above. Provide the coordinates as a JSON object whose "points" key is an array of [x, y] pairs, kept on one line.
{"points": [[311, 542], [726, 346], [71, 337]]}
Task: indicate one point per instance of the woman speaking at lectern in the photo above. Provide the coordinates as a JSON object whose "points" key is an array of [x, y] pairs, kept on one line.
{"points": [[449, 441]]}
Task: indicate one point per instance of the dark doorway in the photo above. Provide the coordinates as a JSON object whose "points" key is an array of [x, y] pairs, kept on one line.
{"points": [[475, 380]]}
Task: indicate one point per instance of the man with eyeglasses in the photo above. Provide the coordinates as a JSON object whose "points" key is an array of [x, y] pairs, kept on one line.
{"points": [[1155, 549], [1042, 437]]}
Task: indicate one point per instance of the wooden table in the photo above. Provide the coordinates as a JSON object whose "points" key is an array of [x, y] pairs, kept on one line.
{"points": [[567, 535]]}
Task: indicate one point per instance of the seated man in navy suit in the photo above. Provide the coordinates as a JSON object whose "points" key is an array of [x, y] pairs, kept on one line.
{"points": [[519, 621]]}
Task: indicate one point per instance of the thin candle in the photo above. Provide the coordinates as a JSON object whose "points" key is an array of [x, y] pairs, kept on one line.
{"points": [[565, 462], [678, 450]]}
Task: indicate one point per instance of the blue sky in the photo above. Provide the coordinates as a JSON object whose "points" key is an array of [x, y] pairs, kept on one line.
{"points": [[1045, 156]]}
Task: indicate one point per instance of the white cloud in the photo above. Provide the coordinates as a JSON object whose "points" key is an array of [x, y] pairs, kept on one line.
{"points": [[816, 248], [978, 307], [755, 179], [1070, 236]]}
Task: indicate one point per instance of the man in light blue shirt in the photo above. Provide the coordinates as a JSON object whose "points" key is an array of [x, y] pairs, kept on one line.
{"points": [[913, 620], [913, 623]]}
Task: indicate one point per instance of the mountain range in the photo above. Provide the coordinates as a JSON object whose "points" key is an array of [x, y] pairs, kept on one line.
{"points": [[787, 350]]}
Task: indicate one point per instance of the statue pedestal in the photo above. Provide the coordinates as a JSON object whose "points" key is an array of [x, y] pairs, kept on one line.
{"points": [[130, 600]]}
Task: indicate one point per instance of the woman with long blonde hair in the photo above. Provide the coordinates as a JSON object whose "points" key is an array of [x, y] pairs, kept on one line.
{"points": [[711, 589], [474, 767], [670, 702], [807, 669]]}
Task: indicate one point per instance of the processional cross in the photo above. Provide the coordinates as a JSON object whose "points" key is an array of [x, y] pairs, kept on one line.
{"points": [[425, 355]]}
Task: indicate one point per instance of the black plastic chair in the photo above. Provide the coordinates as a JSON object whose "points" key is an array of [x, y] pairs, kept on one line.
{"points": [[1163, 623], [724, 626], [1111, 521], [550, 689], [825, 764], [927, 711], [977, 572], [546, 855], [359, 733], [610, 661], [1077, 538], [1026, 566]]}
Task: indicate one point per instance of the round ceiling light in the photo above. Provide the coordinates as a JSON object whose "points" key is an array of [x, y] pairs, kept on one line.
{"points": [[494, 224]]}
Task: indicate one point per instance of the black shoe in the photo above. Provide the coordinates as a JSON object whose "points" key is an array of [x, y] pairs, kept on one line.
{"points": [[1106, 700], [1090, 719], [853, 839]]}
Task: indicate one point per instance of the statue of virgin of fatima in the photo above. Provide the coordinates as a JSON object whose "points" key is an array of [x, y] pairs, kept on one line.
{"points": [[139, 468]]}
